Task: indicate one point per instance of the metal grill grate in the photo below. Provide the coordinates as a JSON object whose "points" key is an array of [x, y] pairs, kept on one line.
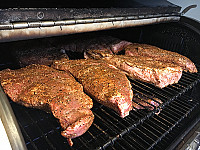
{"points": [[153, 130], [142, 129]]}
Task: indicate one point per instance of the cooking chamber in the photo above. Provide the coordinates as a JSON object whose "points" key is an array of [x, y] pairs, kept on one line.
{"points": [[142, 129]]}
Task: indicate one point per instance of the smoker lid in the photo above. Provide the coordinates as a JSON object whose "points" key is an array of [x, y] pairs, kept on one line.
{"points": [[61, 10]]}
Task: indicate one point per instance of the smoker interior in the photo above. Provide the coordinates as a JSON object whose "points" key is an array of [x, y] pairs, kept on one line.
{"points": [[142, 129]]}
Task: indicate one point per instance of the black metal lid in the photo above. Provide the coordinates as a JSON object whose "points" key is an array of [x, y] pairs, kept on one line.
{"points": [[62, 10]]}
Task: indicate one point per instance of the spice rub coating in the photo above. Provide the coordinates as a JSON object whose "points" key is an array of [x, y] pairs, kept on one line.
{"points": [[101, 81], [45, 88], [146, 69], [156, 53]]}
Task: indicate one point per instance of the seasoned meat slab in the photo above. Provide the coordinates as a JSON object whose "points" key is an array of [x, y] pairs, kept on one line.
{"points": [[113, 44], [36, 51], [98, 42], [39, 56], [158, 54], [145, 102], [146, 69], [101, 81], [45, 88]]}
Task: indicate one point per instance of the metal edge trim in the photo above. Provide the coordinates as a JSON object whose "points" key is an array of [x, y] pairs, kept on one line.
{"points": [[10, 123], [72, 27], [23, 25]]}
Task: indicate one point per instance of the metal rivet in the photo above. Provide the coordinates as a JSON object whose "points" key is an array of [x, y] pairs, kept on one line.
{"points": [[40, 15]]}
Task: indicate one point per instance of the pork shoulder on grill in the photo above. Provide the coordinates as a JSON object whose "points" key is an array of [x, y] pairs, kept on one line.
{"points": [[101, 81], [45, 88], [40, 51], [146, 69], [95, 42], [145, 102], [159, 54]]}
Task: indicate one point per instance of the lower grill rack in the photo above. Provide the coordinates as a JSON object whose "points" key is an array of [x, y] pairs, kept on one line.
{"points": [[159, 130], [142, 129]]}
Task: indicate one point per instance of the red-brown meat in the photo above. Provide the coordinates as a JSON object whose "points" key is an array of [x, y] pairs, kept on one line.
{"points": [[160, 55], [143, 68], [45, 88], [145, 102], [40, 51], [101, 81], [98, 42], [39, 56]]}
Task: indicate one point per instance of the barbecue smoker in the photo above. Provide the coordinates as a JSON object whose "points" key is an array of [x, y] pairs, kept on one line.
{"points": [[167, 127]]}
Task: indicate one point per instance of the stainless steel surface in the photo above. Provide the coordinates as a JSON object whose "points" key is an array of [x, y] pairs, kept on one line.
{"points": [[10, 123], [30, 30]]}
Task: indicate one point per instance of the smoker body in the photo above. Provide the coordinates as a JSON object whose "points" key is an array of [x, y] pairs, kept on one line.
{"points": [[142, 129]]}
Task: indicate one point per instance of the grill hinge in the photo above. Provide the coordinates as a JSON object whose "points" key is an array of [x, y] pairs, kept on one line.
{"points": [[23, 25]]}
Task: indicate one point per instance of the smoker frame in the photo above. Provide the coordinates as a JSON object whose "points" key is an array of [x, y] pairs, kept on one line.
{"points": [[183, 20]]}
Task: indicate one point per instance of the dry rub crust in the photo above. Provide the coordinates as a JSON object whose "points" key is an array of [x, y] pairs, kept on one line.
{"points": [[101, 81], [159, 54], [36, 85], [45, 88], [146, 69]]}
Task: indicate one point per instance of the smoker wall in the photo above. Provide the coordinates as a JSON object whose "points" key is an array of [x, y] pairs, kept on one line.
{"points": [[171, 36]]}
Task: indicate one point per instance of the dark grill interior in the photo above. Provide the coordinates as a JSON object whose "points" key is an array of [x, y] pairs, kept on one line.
{"points": [[142, 129]]}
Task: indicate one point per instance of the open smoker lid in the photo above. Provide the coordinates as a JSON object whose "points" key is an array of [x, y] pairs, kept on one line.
{"points": [[32, 19], [21, 11]]}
